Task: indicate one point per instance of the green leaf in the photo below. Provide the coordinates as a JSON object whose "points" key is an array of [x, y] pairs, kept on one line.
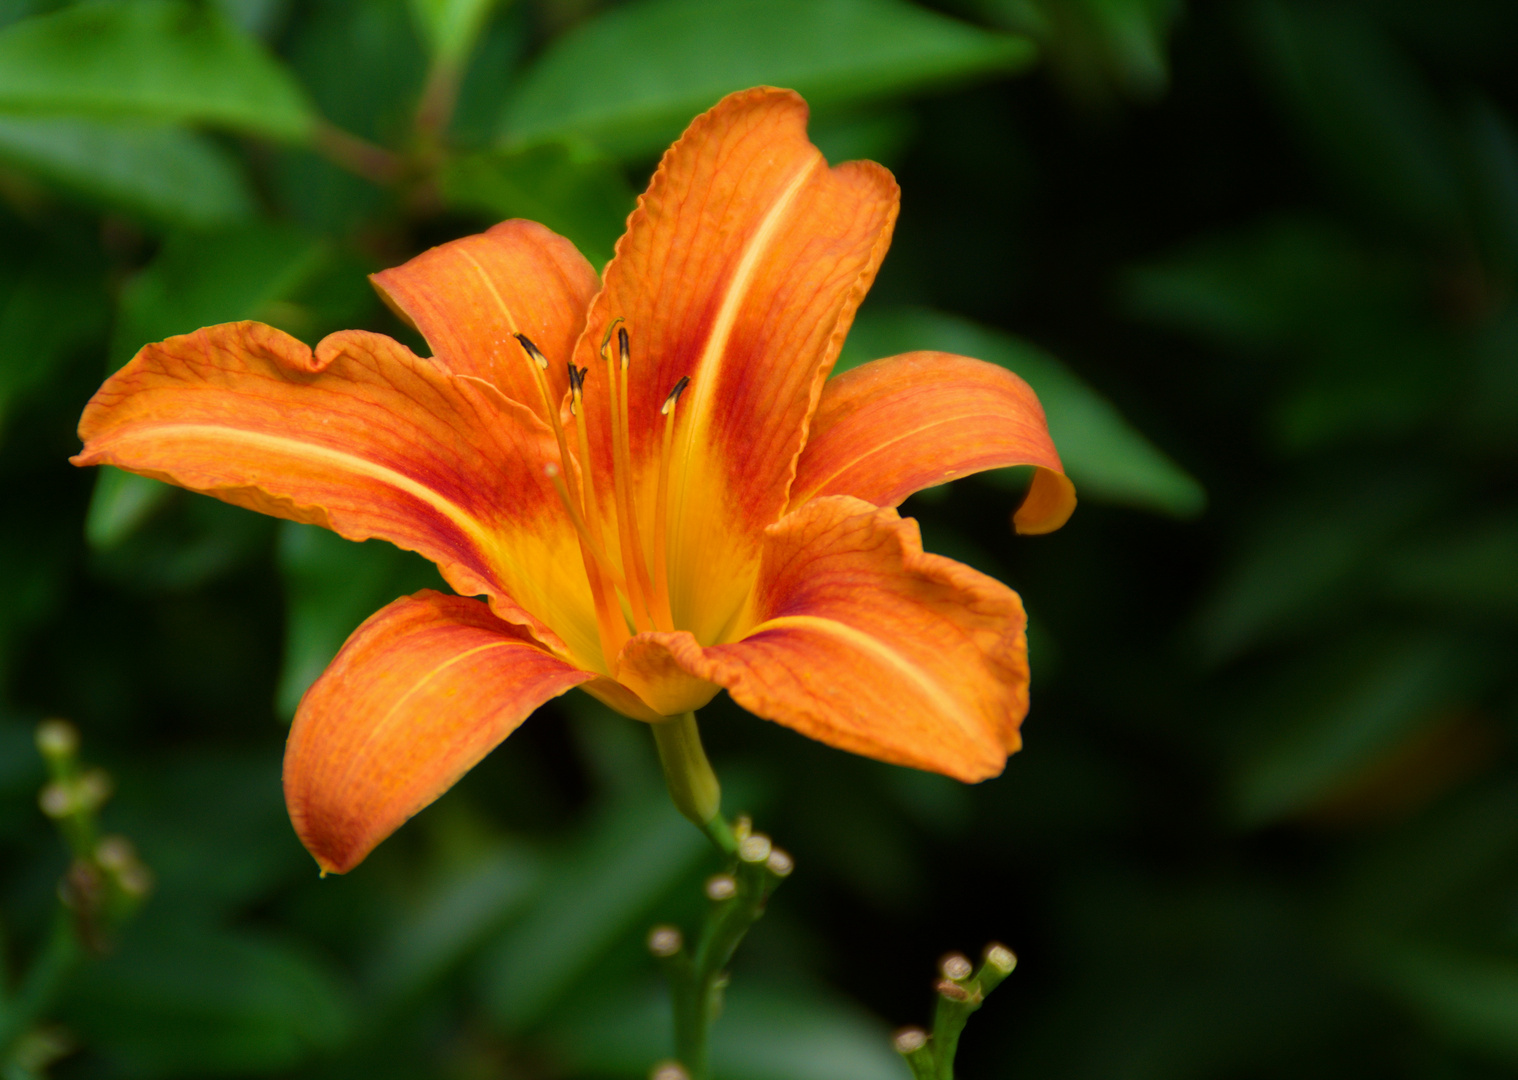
{"points": [[764, 1033], [1364, 107], [202, 279], [451, 27], [332, 585], [575, 191], [1470, 564], [189, 1001], [630, 79], [1277, 282], [1308, 556], [56, 305], [597, 893], [456, 912], [165, 61], [1107, 458], [167, 175], [121, 503], [1330, 724], [1098, 46], [1471, 1000]]}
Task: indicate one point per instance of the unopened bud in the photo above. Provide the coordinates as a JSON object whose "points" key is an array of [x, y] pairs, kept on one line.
{"points": [[754, 848], [955, 966], [665, 941], [780, 863], [721, 887], [909, 1040], [57, 799], [115, 853], [57, 739], [135, 879], [1001, 958], [742, 827], [669, 1070], [93, 789]]}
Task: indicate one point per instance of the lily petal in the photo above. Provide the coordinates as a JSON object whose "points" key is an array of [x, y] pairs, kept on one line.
{"points": [[422, 691], [362, 437], [741, 268], [895, 426], [469, 296], [864, 642]]}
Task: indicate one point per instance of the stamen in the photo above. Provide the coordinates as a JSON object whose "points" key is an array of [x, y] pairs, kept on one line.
{"points": [[611, 628], [633, 569], [532, 351], [550, 409], [587, 484], [661, 503]]}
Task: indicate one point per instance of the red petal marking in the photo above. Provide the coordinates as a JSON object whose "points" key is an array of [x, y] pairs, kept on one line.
{"points": [[895, 426], [741, 268], [862, 641], [360, 436], [423, 690], [469, 296]]}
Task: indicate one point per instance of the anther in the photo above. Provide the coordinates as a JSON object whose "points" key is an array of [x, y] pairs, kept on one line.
{"points": [[721, 887], [780, 863], [532, 350], [623, 349], [674, 395]]}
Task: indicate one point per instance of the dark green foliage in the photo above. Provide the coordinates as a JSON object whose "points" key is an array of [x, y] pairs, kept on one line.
{"points": [[1258, 257]]}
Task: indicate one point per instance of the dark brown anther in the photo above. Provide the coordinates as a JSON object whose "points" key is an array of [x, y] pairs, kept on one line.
{"points": [[622, 345], [674, 395], [532, 350]]}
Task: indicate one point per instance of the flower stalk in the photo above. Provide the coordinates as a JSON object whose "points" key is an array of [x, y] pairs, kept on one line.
{"points": [[692, 785], [961, 990], [698, 976]]}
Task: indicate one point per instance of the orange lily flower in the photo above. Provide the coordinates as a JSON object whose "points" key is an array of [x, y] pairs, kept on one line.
{"points": [[651, 481]]}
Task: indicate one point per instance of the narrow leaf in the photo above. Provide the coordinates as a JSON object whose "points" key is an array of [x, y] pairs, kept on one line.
{"points": [[167, 175], [630, 78], [165, 61]]}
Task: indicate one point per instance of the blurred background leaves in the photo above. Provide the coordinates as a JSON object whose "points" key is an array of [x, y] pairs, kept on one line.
{"points": [[1258, 258]]}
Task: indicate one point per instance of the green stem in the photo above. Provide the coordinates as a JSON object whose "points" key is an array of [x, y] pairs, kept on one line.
{"points": [[41, 984], [692, 785]]}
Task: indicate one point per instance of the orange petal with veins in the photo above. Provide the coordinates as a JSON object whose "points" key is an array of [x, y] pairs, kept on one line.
{"points": [[895, 426], [469, 296], [422, 691], [365, 438], [862, 641], [741, 268]]}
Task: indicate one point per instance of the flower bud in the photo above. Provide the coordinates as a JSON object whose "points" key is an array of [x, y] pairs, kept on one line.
{"points": [[754, 848], [909, 1040], [57, 799], [955, 966], [1001, 958], [665, 941], [57, 739]]}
